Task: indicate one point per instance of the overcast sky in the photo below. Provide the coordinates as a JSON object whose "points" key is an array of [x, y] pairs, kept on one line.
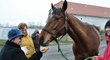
{"points": [[15, 11]]}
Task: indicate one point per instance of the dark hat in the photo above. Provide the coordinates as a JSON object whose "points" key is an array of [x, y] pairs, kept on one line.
{"points": [[13, 33], [107, 24], [36, 31]]}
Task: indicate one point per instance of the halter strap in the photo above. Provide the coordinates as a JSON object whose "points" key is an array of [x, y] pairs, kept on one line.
{"points": [[59, 49]]}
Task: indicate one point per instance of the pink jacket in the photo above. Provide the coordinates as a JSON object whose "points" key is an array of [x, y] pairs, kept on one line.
{"points": [[107, 51]]}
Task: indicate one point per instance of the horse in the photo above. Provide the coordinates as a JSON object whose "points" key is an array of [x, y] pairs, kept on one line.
{"points": [[59, 23]]}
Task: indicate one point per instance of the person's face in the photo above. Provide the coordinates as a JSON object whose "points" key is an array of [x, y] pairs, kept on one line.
{"points": [[37, 34], [24, 31], [108, 31], [18, 40]]}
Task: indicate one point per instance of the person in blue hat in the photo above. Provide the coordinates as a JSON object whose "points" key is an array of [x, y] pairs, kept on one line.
{"points": [[12, 49]]}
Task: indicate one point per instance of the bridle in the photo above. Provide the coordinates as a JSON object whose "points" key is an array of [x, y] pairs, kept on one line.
{"points": [[55, 33], [59, 30]]}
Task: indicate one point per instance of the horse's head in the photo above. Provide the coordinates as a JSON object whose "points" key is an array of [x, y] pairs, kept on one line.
{"points": [[55, 24]]}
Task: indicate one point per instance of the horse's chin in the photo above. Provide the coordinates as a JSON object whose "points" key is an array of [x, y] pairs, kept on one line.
{"points": [[44, 45], [47, 42]]}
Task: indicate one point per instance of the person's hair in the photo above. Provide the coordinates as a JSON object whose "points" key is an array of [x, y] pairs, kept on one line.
{"points": [[34, 34], [107, 24], [36, 31], [22, 25]]}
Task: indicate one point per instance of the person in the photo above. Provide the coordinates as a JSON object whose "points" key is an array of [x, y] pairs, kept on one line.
{"points": [[107, 38], [106, 34], [27, 41], [12, 50], [35, 37]]}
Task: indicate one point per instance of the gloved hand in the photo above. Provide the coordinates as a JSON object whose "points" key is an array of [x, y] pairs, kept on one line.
{"points": [[36, 56]]}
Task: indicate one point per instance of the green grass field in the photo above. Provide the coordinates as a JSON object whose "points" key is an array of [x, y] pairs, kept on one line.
{"points": [[101, 37], [2, 42]]}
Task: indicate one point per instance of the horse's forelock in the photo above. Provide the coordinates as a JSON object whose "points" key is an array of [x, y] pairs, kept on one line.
{"points": [[55, 11], [50, 13]]}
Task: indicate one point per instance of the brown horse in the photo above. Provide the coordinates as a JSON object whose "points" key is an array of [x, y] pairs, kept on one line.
{"points": [[85, 36]]}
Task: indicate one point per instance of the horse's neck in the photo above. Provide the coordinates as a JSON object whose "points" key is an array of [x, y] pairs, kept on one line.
{"points": [[76, 28]]}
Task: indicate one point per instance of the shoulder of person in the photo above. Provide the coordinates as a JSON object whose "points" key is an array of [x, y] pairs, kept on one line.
{"points": [[13, 53], [18, 54]]}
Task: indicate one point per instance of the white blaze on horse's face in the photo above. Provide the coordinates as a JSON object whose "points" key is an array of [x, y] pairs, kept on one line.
{"points": [[47, 39], [50, 13]]}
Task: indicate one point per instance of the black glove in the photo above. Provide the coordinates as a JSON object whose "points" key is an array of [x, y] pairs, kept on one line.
{"points": [[37, 55]]}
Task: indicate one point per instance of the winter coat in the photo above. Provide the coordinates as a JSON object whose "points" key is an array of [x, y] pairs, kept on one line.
{"points": [[36, 42], [12, 51], [28, 43], [107, 51]]}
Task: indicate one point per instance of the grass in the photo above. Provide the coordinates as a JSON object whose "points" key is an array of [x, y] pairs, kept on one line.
{"points": [[101, 37], [2, 42], [63, 41]]}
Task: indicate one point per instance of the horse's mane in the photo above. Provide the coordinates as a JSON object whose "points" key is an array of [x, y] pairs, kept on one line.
{"points": [[96, 27], [73, 17], [90, 26]]}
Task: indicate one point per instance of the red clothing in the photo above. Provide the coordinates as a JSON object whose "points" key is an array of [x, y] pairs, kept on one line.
{"points": [[36, 42], [107, 51], [107, 38]]}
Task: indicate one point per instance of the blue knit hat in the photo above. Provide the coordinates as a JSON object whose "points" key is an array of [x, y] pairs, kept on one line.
{"points": [[13, 33]]}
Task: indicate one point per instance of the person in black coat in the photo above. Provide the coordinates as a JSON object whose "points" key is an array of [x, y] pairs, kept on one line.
{"points": [[12, 50]]}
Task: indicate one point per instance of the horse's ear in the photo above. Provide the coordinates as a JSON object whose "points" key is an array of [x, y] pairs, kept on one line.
{"points": [[52, 6], [64, 5]]}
